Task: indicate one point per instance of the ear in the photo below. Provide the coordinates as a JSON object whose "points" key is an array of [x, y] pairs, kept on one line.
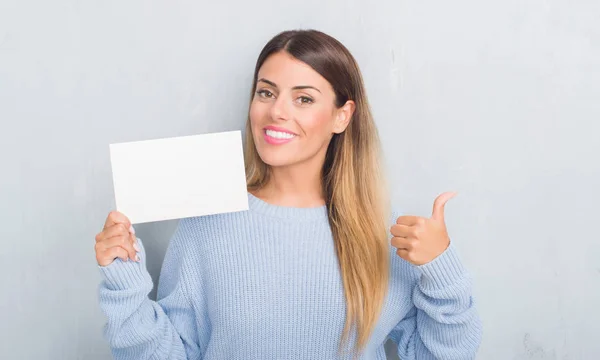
{"points": [[343, 116]]}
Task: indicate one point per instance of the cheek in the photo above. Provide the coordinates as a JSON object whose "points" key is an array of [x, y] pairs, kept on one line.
{"points": [[318, 122], [257, 113]]}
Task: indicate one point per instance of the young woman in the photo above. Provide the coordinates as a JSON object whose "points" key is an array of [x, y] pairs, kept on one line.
{"points": [[309, 271]]}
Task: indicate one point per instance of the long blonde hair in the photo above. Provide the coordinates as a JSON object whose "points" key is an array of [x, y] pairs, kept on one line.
{"points": [[355, 188]]}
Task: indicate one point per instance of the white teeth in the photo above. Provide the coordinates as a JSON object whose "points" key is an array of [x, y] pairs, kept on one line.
{"points": [[279, 134]]}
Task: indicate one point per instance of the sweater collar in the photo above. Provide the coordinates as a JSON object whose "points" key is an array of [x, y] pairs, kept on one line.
{"points": [[287, 212]]}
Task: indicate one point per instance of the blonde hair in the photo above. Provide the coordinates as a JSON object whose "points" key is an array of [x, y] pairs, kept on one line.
{"points": [[355, 188]]}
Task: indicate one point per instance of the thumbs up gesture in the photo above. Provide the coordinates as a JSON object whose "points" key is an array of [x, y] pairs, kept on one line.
{"points": [[420, 240]]}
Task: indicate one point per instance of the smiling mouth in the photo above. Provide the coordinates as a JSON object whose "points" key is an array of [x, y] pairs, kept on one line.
{"points": [[280, 135], [277, 137]]}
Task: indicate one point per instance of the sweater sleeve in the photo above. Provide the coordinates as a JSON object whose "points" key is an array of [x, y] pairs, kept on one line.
{"points": [[139, 328], [443, 323]]}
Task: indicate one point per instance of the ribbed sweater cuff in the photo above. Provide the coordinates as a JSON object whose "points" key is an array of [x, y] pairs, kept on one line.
{"points": [[123, 275], [443, 271]]}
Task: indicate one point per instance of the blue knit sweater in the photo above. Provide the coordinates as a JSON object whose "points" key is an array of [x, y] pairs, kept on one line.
{"points": [[265, 284]]}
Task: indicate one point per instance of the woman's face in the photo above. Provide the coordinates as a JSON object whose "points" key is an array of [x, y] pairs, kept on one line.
{"points": [[293, 114]]}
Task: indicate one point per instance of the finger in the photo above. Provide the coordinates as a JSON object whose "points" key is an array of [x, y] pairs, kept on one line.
{"points": [[408, 220], [403, 243], [403, 253], [439, 204], [402, 230], [123, 241], [115, 217], [109, 255], [112, 231], [134, 243]]}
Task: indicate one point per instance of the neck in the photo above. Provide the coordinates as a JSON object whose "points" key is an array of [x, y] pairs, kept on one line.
{"points": [[296, 185]]}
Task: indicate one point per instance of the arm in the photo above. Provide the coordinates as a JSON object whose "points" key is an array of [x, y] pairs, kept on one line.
{"points": [[139, 328], [443, 324]]}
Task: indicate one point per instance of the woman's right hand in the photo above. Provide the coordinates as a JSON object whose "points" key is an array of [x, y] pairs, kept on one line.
{"points": [[116, 240]]}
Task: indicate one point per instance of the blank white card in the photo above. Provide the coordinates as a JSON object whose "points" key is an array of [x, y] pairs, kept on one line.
{"points": [[179, 177]]}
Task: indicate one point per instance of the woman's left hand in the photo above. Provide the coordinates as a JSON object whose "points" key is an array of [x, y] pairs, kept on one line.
{"points": [[420, 240]]}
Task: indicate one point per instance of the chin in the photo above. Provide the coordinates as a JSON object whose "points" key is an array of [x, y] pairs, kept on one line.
{"points": [[274, 157]]}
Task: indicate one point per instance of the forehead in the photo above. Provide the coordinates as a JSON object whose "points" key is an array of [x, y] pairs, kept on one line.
{"points": [[287, 71]]}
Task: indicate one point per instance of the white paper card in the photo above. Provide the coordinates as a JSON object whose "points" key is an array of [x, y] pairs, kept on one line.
{"points": [[179, 177]]}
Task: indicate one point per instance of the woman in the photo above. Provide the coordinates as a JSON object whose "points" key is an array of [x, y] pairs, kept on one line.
{"points": [[309, 271]]}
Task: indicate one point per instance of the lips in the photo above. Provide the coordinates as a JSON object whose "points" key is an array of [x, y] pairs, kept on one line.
{"points": [[280, 129], [276, 141]]}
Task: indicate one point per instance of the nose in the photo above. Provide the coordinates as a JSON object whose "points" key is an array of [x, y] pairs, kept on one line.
{"points": [[279, 109]]}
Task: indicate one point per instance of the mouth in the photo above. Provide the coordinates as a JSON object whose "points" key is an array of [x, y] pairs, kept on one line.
{"points": [[278, 137]]}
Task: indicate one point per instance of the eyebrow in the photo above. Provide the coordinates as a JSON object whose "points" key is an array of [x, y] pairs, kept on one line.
{"points": [[299, 87]]}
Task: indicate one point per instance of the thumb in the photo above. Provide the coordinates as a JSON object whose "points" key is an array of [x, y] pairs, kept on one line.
{"points": [[439, 203]]}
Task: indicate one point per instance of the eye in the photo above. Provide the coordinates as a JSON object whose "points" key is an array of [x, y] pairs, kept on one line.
{"points": [[264, 93], [305, 100]]}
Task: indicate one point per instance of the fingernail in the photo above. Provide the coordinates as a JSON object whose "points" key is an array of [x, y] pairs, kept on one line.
{"points": [[136, 247], [137, 258], [131, 229]]}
